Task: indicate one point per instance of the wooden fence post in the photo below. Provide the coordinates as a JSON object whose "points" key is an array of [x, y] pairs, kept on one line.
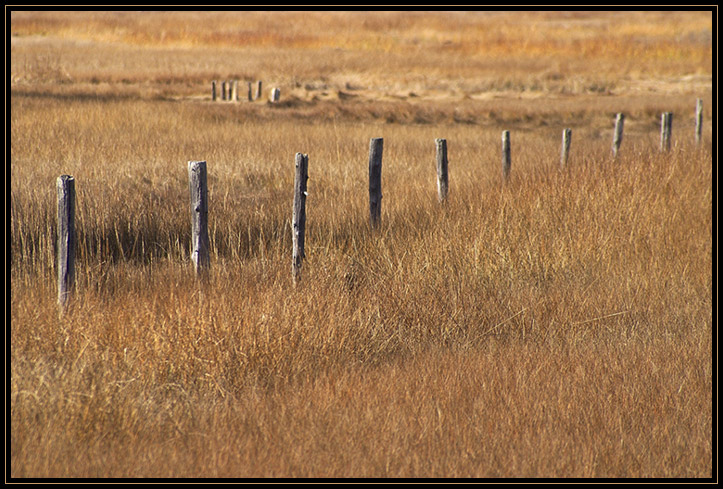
{"points": [[223, 90], [565, 154], [618, 135], [213, 90], [376, 148], [298, 222], [506, 160], [699, 121], [66, 238], [258, 90], [199, 217], [275, 95], [251, 93], [666, 127], [442, 174], [234, 90]]}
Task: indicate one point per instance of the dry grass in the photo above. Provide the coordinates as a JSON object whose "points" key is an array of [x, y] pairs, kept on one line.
{"points": [[557, 326]]}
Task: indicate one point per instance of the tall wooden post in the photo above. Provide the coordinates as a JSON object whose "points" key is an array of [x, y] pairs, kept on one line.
{"points": [[199, 217], [258, 90], [506, 160], [699, 121], [666, 127], [234, 90], [251, 93], [442, 174], [213, 90], [223, 90], [565, 153], [618, 135], [376, 148], [66, 238], [298, 222]]}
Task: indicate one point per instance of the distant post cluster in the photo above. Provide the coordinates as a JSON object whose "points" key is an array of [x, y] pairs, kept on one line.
{"points": [[230, 92]]}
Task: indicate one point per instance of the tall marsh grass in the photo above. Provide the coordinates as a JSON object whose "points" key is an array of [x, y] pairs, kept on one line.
{"points": [[558, 325]]}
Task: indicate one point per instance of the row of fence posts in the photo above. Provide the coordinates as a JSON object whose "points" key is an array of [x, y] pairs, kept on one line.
{"points": [[230, 92], [197, 176]]}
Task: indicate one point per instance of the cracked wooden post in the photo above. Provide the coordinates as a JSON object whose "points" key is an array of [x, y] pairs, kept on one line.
{"points": [[565, 153], [213, 90], [66, 239], [199, 217], [506, 160], [666, 126], [298, 222], [699, 121], [376, 148], [618, 134], [442, 173]]}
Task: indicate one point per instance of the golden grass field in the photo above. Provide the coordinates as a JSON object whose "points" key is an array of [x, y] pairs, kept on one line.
{"points": [[557, 325]]}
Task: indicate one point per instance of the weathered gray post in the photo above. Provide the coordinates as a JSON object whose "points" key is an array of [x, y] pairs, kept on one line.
{"points": [[223, 90], [506, 160], [699, 121], [298, 222], [442, 175], [258, 90], [199, 217], [565, 154], [66, 238], [618, 135], [376, 147], [251, 93], [275, 95], [666, 127], [213, 90]]}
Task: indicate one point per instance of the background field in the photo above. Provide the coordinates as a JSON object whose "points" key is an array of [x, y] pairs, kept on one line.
{"points": [[559, 325]]}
